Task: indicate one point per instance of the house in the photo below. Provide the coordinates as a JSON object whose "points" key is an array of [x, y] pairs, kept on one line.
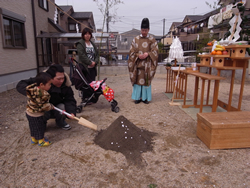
{"points": [[195, 27], [124, 41], [42, 34], [71, 24], [17, 42]]}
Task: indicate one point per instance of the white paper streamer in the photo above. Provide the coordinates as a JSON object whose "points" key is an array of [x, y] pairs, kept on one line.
{"points": [[176, 51]]}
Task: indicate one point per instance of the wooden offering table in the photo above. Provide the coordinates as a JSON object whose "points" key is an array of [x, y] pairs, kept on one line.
{"points": [[235, 60], [203, 77]]}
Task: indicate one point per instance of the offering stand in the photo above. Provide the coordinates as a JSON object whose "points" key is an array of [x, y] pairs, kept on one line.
{"points": [[236, 60]]}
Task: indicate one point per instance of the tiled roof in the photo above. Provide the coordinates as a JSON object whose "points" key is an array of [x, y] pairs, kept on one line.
{"points": [[176, 23], [133, 32], [194, 18], [81, 15], [65, 8], [198, 18]]}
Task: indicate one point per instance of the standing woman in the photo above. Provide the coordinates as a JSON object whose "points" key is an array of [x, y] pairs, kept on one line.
{"points": [[88, 54]]}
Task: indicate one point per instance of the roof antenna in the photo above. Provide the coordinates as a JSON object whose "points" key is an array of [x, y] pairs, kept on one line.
{"points": [[194, 9]]}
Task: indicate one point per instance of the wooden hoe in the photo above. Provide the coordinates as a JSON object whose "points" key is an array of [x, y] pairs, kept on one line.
{"points": [[80, 120]]}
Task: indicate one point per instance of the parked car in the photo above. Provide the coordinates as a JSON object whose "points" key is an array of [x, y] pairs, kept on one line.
{"points": [[103, 60]]}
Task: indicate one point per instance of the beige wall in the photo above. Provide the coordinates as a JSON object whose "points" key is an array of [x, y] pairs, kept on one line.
{"points": [[16, 60], [42, 16], [167, 40]]}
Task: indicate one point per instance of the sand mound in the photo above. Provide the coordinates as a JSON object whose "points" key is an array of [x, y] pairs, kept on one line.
{"points": [[124, 137]]}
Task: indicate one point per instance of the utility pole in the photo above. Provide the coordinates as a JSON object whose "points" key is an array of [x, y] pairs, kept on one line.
{"points": [[163, 32], [107, 22]]}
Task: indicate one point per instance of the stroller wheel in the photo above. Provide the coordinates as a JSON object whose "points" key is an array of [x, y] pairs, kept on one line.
{"points": [[114, 106], [79, 109], [116, 109]]}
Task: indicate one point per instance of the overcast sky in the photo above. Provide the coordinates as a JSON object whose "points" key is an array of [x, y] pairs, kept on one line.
{"points": [[131, 12]]}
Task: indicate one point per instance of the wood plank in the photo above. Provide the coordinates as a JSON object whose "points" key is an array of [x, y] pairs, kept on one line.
{"points": [[215, 97], [225, 120], [237, 46], [206, 76], [242, 86], [196, 90], [185, 91], [208, 55], [202, 94], [187, 106], [231, 91], [225, 106], [220, 68], [208, 86]]}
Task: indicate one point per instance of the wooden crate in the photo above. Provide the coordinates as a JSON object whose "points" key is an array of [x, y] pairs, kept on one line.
{"points": [[224, 130]]}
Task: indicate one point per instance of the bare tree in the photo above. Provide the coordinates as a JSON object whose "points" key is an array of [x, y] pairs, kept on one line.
{"points": [[213, 5], [104, 8]]}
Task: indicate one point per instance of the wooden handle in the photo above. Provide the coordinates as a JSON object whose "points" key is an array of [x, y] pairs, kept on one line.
{"points": [[81, 121]]}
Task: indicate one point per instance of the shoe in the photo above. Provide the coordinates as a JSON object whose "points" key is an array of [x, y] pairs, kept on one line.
{"points": [[34, 141], [44, 142], [146, 102], [90, 103], [66, 127], [137, 101]]}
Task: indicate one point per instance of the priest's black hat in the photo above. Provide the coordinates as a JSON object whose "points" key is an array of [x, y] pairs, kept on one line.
{"points": [[145, 23]]}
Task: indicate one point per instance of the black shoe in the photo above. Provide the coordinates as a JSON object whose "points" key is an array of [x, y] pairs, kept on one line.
{"points": [[137, 101], [66, 126], [146, 102]]}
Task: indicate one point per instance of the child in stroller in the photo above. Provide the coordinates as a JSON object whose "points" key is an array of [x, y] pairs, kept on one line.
{"points": [[90, 92]]}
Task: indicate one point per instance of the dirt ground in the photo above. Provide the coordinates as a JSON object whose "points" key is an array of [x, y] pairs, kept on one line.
{"points": [[178, 157]]}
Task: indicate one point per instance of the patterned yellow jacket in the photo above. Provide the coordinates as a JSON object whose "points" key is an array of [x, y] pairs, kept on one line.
{"points": [[38, 101]]}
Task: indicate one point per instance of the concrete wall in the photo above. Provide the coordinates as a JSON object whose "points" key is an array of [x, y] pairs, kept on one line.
{"points": [[15, 63], [8, 82], [118, 70]]}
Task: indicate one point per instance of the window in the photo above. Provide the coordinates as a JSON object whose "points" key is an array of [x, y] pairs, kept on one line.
{"points": [[43, 4], [13, 29], [72, 27]]}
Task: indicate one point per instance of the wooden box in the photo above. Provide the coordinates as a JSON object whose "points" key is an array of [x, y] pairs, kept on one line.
{"points": [[205, 61], [238, 52], [218, 61], [224, 130]]}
